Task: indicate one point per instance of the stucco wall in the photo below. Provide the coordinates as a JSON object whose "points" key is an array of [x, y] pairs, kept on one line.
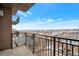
{"points": [[5, 29]]}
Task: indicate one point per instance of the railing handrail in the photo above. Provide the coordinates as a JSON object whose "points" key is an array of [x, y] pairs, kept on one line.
{"points": [[54, 36], [51, 36], [66, 38]]}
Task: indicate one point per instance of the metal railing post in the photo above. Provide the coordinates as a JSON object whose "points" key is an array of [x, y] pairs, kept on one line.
{"points": [[25, 38], [33, 43], [11, 40], [54, 46], [51, 47]]}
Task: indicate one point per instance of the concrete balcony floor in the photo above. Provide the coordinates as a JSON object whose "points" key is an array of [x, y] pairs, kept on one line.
{"points": [[18, 51]]}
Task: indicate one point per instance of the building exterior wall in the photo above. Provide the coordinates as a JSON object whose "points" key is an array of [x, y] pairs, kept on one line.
{"points": [[5, 28]]}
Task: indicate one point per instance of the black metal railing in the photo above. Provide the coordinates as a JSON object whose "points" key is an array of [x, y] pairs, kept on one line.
{"points": [[66, 46], [46, 45]]}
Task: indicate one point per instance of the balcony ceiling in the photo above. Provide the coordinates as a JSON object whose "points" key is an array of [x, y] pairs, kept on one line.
{"points": [[17, 6]]}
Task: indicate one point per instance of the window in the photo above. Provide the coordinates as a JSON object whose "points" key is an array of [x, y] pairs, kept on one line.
{"points": [[1, 13]]}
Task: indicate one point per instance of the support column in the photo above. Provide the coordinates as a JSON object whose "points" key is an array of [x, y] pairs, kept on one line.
{"points": [[6, 28]]}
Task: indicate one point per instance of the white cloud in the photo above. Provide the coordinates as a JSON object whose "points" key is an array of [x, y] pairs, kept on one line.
{"points": [[33, 23], [67, 24], [20, 26], [36, 23], [28, 12], [59, 19], [40, 19], [40, 22], [21, 13], [43, 21], [50, 20]]}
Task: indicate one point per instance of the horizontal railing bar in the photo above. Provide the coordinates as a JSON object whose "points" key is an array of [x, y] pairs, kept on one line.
{"points": [[44, 38], [52, 36], [66, 38], [55, 37]]}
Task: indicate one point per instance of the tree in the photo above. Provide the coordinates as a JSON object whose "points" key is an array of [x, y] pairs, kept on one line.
{"points": [[15, 22]]}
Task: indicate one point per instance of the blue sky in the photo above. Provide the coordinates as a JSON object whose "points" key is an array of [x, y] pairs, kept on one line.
{"points": [[49, 16]]}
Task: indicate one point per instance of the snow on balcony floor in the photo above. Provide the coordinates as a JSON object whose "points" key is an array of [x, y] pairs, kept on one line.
{"points": [[18, 51]]}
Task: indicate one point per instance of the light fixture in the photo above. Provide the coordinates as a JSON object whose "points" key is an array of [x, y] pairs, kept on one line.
{"points": [[1, 12]]}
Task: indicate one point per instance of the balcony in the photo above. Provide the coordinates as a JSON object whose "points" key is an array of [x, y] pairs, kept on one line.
{"points": [[31, 44]]}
